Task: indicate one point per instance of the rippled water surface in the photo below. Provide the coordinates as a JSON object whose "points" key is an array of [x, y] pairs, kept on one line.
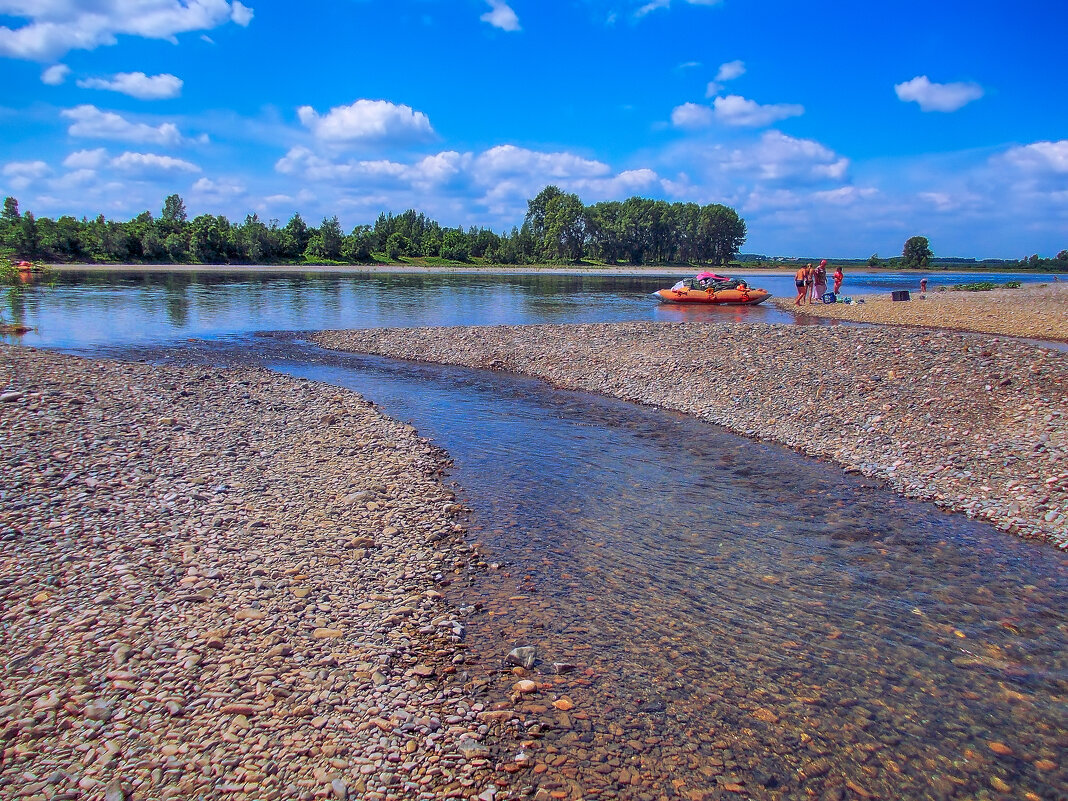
{"points": [[740, 619], [84, 309]]}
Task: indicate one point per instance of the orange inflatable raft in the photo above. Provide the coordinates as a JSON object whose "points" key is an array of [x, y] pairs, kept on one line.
{"points": [[722, 293]]}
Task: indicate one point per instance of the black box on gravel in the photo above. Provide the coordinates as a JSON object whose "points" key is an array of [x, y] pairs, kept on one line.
{"points": [[901, 294]]}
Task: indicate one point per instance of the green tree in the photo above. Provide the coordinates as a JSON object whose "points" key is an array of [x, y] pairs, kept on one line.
{"points": [[398, 245], [917, 253], [358, 245], [537, 209], [454, 245], [10, 214], [873, 260], [1062, 256], [173, 210], [295, 237], [565, 227]]}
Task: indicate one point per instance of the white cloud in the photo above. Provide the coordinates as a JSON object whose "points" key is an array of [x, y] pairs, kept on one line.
{"points": [[241, 14], [691, 115], [727, 71], [55, 27], [738, 111], [29, 169], [654, 5], [55, 75], [730, 70], [208, 191], [367, 120], [151, 162], [501, 16], [137, 84], [780, 157], [509, 160], [938, 96], [92, 123], [86, 159], [22, 174], [1040, 157]]}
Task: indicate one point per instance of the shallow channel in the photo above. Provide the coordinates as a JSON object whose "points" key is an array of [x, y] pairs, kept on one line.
{"points": [[739, 620]]}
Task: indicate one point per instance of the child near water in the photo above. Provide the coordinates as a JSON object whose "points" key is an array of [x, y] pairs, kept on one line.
{"points": [[838, 277]]}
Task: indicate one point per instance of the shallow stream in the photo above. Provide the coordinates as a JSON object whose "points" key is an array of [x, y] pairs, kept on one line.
{"points": [[739, 618]]}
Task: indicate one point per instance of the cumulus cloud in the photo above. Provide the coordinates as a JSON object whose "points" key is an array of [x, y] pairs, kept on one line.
{"points": [[937, 96], [509, 160], [151, 162], [367, 121], [137, 84], [209, 192], [240, 13], [501, 16], [86, 159], [498, 180], [21, 174], [726, 72], [779, 157], [89, 122], [1040, 157], [55, 27], [691, 115], [738, 111], [55, 75]]}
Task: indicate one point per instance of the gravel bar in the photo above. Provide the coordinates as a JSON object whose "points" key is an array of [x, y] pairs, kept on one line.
{"points": [[1034, 311], [974, 423], [224, 584]]}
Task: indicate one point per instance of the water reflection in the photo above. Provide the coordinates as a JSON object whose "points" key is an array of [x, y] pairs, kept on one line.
{"points": [[80, 309]]}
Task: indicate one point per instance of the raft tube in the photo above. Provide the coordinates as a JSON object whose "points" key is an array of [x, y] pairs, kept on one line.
{"points": [[733, 297]]}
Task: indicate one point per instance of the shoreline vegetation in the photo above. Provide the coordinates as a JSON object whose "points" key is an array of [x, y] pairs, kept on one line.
{"points": [[557, 230]]}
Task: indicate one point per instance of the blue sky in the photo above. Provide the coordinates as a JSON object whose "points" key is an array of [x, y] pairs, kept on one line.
{"points": [[833, 128]]}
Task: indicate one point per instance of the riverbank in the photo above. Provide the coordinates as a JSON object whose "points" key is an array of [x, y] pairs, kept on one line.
{"points": [[223, 583], [1033, 311], [973, 423]]}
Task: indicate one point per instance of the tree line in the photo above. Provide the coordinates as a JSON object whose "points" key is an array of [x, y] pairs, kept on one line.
{"points": [[558, 227]]}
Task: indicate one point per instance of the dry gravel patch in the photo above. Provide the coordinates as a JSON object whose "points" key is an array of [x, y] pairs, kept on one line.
{"points": [[977, 424], [1034, 311], [223, 584]]}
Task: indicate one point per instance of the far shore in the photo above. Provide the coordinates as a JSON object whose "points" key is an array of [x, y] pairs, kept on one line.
{"points": [[496, 269]]}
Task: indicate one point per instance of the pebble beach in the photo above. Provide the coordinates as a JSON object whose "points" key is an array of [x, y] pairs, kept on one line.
{"points": [[1031, 311], [222, 584]]}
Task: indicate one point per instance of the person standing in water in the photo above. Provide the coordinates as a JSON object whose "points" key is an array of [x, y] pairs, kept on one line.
{"points": [[801, 281]]}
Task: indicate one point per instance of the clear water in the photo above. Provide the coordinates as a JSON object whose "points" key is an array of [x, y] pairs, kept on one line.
{"points": [[87, 309], [741, 619]]}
